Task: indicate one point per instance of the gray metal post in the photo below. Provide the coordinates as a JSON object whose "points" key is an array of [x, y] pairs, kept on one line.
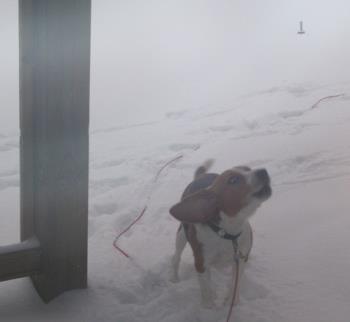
{"points": [[54, 112]]}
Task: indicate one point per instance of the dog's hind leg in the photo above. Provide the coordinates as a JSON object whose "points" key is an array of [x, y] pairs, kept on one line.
{"points": [[180, 244]]}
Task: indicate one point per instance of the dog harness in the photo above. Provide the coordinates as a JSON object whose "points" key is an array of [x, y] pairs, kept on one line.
{"points": [[222, 233]]}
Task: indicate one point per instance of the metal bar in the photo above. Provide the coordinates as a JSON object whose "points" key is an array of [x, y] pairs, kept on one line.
{"points": [[19, 260]]}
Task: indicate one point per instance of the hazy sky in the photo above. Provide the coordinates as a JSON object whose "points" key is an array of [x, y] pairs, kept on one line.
{"points": [[149, 57]]}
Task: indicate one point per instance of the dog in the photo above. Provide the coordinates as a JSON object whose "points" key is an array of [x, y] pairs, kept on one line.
{"points": [[214, 212]]}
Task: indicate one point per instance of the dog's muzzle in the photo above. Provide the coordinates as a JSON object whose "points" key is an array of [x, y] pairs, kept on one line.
{"points": [[265, 190]]}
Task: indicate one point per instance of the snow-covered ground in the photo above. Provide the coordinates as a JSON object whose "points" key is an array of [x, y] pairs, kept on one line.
{"points": [[300, 262]]}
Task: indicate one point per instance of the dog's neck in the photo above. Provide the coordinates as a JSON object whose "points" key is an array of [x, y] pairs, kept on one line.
{"points": [[234, 224]]}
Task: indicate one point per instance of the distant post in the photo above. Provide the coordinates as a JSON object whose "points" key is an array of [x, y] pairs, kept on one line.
{"points": [[54, 148], [301, 30]]}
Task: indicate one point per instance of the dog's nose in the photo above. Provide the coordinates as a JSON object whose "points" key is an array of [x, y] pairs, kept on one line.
{"points": [[263, 175]]}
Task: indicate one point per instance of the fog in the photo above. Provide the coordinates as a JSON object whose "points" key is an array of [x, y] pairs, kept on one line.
{"points": [[9, 102], [229, 80], [167, 55], [157, 56]]}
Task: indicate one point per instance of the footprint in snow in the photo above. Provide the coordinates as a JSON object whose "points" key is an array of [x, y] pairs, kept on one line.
{"points": [[8, 183], [297, 90], [108, 184], [300, 128], [222, 128], [176, 115], [8, 146], [257, 134], [92, 227], [108, 164], [106, 208], [8, 173], [124, 219], [252, 290], [291, 113], [122, 127], [177, 147]]}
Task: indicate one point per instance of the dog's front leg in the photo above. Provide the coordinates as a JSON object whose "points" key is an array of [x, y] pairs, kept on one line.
{"points": [[179, 247], [201, 266], [207, 294], [235, 282]]}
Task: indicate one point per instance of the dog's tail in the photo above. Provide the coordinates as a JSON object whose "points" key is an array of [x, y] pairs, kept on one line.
{"points": [[203, 168]]}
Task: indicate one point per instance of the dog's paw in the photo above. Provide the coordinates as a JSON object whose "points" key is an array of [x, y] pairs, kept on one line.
{"points": [[208, 304], [174, 278], [173, 275], [208, 301], [228, 300]]}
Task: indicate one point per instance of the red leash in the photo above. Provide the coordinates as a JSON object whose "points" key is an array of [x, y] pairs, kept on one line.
{"points": [[235, 292], [125, 230], [165, 165], [142, 212], [325, 98], [238, 256]]}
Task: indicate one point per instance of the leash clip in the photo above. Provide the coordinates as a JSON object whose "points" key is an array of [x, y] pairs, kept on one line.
{"points": [[237, 254]]}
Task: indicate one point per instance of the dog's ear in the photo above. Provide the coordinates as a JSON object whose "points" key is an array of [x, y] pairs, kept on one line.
{"points": [[199, 207]]}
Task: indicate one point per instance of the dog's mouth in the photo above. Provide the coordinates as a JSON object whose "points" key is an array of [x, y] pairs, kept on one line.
{"points": [[263, 193]]}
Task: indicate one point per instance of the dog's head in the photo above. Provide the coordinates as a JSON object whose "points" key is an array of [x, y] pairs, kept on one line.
{"points": [[231, 192]]}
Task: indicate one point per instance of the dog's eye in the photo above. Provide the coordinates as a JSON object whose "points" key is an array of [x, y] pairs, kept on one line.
{"points": [[234, 180]]}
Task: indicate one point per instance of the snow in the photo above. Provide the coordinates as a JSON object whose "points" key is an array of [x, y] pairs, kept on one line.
{"points": [[300, 263]]}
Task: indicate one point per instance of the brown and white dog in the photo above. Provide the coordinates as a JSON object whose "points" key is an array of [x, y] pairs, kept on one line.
{"points": [[214, 212]]}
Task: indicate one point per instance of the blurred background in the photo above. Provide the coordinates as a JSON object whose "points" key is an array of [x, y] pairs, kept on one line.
{"points": [[157, 56]]}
